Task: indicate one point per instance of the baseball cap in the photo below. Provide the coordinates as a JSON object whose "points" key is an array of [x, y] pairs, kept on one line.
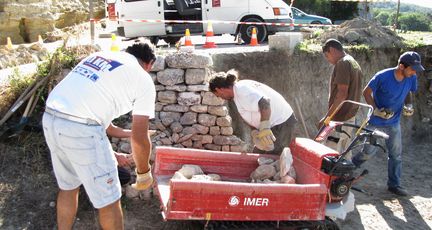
{"points": [[412, 59]]}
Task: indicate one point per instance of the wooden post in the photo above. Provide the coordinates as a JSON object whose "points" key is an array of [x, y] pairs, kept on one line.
{"points": [[396, 24], [92, 27]]}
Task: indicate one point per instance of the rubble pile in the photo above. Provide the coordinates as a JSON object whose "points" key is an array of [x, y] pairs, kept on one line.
{"points": [[361, 31]]}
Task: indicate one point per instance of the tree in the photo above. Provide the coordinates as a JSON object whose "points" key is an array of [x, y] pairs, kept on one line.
{"points": [[383, 16], [414, 21]]}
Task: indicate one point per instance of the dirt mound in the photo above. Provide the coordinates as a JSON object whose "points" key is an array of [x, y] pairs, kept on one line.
{"points": [[360, 31]]}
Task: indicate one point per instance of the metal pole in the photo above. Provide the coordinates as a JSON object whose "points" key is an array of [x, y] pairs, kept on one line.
{"points": [[92, 27]]}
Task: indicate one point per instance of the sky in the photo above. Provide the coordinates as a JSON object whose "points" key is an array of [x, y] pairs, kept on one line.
{"points": [[424, 3]]}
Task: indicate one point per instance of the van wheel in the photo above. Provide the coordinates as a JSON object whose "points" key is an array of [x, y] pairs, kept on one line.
{"points": [[246, 31], [154, 40], [172, 40]]}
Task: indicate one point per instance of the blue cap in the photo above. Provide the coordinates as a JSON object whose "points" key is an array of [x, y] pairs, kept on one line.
{"points": [[412, 59]]}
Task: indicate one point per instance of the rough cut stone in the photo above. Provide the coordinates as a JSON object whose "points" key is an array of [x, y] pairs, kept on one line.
{"points": [[188, 60], [159, 125], [263, 172], [190, 170], [213, 147], [197, 145], [227, 131], [189, 98], [176, 108], [169, 117], [159, 88], [175, 137], [159, 106], [207, 139], [166, 141], [218, 110], [215, 130], [226, 148], [188, 118], [224, 121], [226, 140], [188, 130], [197, 88], [176, 127], [199, 108], [188, 143], [201, 128], [206, 119], [178, 88], [195, 76], [167, 97], [170, 76], [159, 64], [210, 99]]}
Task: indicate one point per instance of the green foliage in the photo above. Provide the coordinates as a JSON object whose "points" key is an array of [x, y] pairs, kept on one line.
{"points": [[383, 17], [414, 21], [18, 83]]}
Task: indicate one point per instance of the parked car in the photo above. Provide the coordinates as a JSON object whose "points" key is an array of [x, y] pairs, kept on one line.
{"points": [[301, 17]]}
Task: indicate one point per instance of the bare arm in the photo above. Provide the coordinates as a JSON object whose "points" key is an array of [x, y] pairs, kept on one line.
{"points": [[264, 108], [141, 144], [115, 131], [367, 94]]}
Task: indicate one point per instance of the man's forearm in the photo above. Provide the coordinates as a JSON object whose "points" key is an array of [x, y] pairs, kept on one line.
{"points": [[141, 149], [115, 131]]}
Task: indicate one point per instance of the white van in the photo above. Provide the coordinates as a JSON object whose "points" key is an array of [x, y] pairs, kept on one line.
{"points": [[269, 11]]}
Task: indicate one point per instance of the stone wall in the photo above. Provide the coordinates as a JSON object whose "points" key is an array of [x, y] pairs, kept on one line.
{"points": [[187, 114], [24, 20]]}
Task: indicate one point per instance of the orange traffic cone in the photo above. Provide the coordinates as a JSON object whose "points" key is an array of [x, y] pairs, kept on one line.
{"points": [[114, 45], [254, 40], [9, 43], [209, 37], [188, 41]]}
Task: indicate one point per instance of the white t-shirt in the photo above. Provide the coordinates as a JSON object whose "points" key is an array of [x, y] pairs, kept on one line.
{"points": [[104, 86], [247, 93]]}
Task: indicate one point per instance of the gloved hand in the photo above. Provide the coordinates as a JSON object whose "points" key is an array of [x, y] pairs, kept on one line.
{"points": [[265, 135], [408, 110], [258, 143], [143, 180], [383, 113]]}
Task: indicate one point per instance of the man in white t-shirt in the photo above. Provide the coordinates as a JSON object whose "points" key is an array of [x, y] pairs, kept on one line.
{"points": [[78, 118], [261, 107]]}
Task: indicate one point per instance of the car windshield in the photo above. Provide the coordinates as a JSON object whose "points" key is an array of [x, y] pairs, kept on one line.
{"points": [[297, 12]]}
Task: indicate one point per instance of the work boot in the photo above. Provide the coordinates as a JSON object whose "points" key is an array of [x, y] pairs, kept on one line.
{"points": [[398, 191]]}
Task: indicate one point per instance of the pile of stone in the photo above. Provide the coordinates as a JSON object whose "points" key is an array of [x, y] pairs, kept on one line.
{"points": [[361, 31], [23, 54], [272, 171], [187, 114]]}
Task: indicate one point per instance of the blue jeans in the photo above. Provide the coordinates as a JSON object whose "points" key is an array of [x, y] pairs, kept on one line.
{"points": [[394, 148]]}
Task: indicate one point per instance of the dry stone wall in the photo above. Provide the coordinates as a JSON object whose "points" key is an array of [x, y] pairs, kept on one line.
{"points": [[187, 114]]}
